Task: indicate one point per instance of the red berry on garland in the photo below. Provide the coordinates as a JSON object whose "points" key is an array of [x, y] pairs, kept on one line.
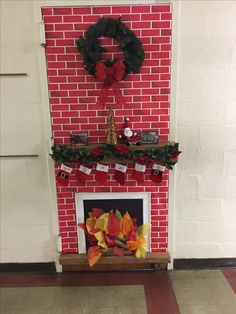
{"points": [[122, 149], [97, 152], [176, 154]]}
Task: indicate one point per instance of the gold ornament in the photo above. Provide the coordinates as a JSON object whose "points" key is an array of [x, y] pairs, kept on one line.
{"points": [[111, 129]]}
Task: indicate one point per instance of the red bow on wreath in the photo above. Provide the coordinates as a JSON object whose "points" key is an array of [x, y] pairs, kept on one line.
{"points": [[110, 77]]}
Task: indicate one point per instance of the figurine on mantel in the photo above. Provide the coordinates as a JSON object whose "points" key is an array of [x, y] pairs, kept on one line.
{"points": [[128, 136]]}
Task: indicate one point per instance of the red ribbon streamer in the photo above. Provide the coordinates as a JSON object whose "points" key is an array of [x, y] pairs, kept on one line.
{"points": [[110, 77]]}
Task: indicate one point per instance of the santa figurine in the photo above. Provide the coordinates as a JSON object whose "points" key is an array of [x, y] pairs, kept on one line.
{"points": [[128, 136]]}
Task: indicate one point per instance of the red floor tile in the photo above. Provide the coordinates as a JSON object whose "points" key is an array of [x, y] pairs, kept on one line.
{"points": [[230, 275]]}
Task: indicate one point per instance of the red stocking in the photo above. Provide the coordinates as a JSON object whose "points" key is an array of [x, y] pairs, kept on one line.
{"points": [[83, 174], [157, 171], [120, 171], [139, 171], [63, 175], [101, 172]]}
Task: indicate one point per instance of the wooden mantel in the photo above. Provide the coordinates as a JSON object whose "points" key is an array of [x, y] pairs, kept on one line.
{"points": [[78, 262], [132, 148], [90, 147]]}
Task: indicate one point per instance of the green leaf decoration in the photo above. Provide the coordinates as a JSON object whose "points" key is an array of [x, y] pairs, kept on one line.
{"points": [[68, 154]]}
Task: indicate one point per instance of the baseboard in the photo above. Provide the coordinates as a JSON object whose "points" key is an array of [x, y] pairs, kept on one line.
{"points": [[28, 267], [203, 263], [179, 263]]}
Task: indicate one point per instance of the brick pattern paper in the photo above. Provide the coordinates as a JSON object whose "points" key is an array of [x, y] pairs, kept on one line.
{"points": [[73, 93]]}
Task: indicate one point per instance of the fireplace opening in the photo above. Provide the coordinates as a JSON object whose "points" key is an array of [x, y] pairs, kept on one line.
{"points": [[137, 205], [133, 206]]}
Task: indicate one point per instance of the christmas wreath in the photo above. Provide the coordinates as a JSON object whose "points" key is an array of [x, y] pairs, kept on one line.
{"points": [[129, 44], [110, 72]]}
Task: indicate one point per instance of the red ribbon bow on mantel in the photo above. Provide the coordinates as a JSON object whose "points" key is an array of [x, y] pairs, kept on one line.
{"points": [[110, 77]]}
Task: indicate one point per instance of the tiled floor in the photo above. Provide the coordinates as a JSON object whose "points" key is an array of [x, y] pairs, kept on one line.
{"points": [[203, 292], [185, 292], [84, 300]]}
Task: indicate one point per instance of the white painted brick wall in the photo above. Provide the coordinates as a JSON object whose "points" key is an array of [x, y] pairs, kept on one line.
{"points": [[218, 138], [232, 112], [230, 163], [190, 191], [186, 232], [196, 210], [206, 130], [199, 250]]}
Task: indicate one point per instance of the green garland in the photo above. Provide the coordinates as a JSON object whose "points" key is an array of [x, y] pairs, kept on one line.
{"points": [[68, 154], [129, 44]]}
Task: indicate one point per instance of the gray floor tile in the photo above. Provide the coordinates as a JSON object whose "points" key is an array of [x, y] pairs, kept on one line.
{"points": [[191, 275], [197, 309], [224, 309], [69, 297], [131, 310], [104, 310], [99, 297], [74, 300], [220, 291], [24, 299], [187, 295], [203, 292], [130, 295], [39, 311]]}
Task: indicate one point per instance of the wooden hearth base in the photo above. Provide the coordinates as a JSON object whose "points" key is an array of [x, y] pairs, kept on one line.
{"points": [[79, 262]]}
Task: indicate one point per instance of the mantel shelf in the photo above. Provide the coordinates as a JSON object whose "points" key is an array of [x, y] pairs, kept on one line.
{"points": [[164, 152], [143, 147], [112, 160]]}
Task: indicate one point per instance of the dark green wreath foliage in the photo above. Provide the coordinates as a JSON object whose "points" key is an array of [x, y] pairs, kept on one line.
{"points": [[129, 44], [69, 154]]}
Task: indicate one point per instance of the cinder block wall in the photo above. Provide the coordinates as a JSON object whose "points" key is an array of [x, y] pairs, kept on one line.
{"points": [[205, 220]]}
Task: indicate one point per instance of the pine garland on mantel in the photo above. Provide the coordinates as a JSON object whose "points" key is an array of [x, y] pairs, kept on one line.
{"points": [[166, 155]]}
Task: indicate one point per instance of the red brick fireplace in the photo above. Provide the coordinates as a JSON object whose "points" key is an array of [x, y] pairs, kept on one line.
{"points": [[73, 93]]}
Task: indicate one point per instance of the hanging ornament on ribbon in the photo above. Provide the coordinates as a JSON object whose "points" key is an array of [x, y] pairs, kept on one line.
{"points": [[83, 174], [120, 172], [101, 172], [157, 171], [139, 170], [63, 175]]}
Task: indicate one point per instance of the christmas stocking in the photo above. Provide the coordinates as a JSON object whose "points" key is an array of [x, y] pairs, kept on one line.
{"points": [[120, 171], [101, 172], [156, 174], [139, 171], [83, 174], [63, 175]]}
